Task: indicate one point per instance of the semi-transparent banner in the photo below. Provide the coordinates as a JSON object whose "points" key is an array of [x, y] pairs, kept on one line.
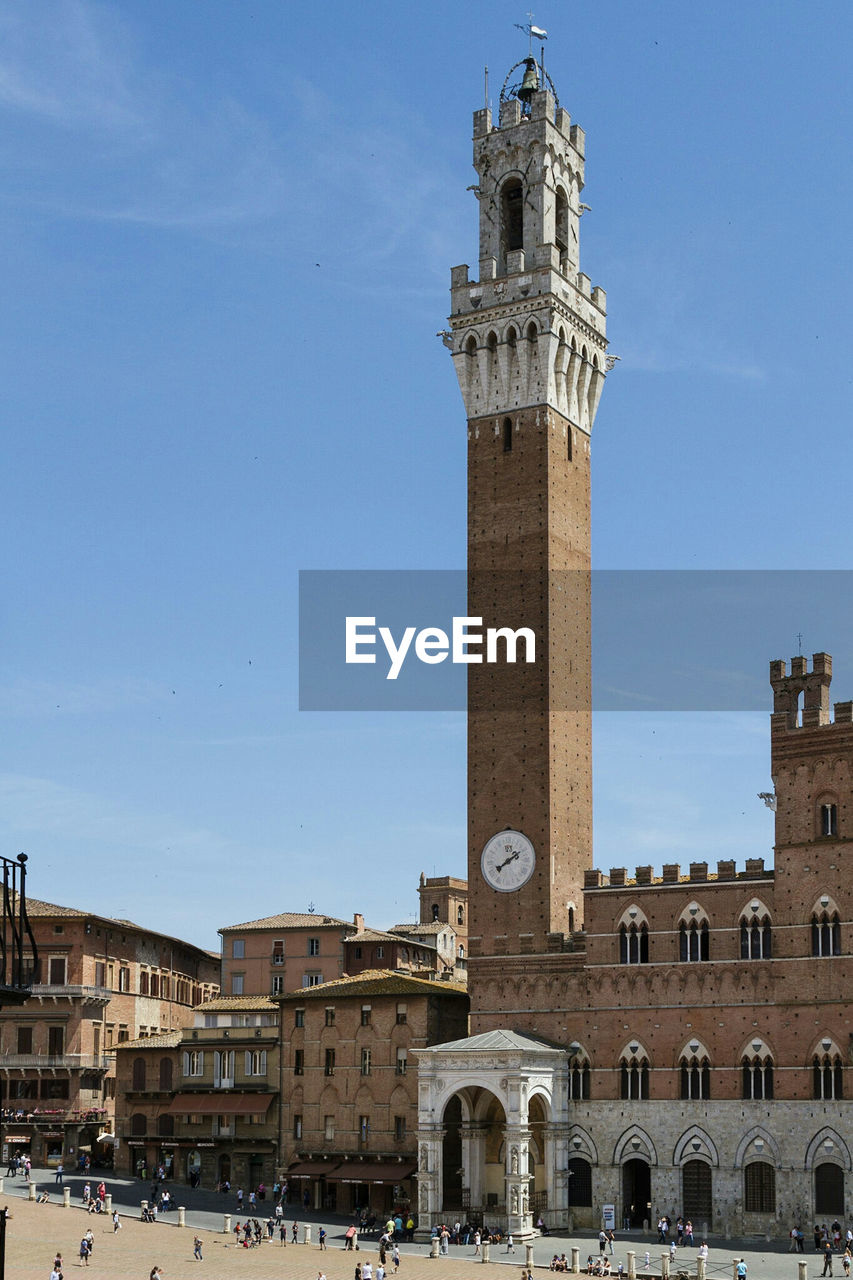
{"points": [[611, 640]]}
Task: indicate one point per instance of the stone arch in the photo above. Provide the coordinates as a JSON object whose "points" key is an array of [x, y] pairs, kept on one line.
{"points": [[770, 1146], [684, 1149], [624, 1148], [818, 1153], [588, 1150]]}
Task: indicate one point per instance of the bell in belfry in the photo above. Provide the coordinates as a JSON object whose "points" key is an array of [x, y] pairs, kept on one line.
{"points": [[530, 83]]}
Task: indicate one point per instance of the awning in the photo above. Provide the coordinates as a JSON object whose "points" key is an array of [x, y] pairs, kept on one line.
{"points": [[312, 1169], [220, 1104], [20, 1137], [357, 1171]]}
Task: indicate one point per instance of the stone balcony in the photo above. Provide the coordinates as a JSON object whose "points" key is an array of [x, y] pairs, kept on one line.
{"points": [[54, 1061], [70, 992]]}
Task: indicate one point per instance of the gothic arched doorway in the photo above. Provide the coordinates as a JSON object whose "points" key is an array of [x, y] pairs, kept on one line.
{"points": [[696, 1198], [636, 1192], [829, 1189], [452, 1194]]}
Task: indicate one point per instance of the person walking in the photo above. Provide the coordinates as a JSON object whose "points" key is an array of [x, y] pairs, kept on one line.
{"points": [[827, 1259], [611, 1237], [321, 1237], [116, 1221], [84, 1252], [239, 1199], [59, 1172], [294, 1233], [197, 1249], [282, 1234], [741, 1270], [395, 1257], [476, 1243], [510, 1247]]}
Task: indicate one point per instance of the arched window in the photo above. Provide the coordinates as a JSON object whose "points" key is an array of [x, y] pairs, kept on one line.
{"points": [[165, 1073], [634, 1073], [561, 222], [571, 919], [435, 911], [755, 933], [828, 1075], [165, 1126], [579, 1079], [759, 1187], [757, 1071], [507, 435], [461, 952], [693, 940], [138, 1082], [826, 932], [512, 216], [828, 818], [634, 943], [138, 1125], [580, 1182], [695, 1072], [460, 915]]}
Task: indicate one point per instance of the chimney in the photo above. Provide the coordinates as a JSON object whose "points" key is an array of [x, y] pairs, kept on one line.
{"points": [[358, 921]]}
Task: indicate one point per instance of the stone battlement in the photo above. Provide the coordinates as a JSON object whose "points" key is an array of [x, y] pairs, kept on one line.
{"points": [[671, 874]]}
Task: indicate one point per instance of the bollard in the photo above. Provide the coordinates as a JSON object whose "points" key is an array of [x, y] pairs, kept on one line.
{"points": [[576, 1261], [307, 1239], [664, 1266], [143, 1205], [701, 1264], [528, 1249], [108, 1203], [632, 1263], [433, 1247], [66, 1197], [32, 1192], [182, 1216], [735, 1262], [226, 1224], [486, 1250], [1, 1186], [802, 1271]]}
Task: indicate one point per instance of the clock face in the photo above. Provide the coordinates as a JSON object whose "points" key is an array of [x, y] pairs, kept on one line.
{"points": [[508, 861]]}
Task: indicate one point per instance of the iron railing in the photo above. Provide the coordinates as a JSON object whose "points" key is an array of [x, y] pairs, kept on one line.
{"points": [[19, 964]]}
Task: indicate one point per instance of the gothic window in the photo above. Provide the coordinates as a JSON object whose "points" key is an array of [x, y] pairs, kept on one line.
{"points": [[755, 934], [512, 215], [634, 1074], [828, 817], [826, 934], [579, 1080], [460, 915], [435, 905], [757, 1075], [828, 1076], [580, 1182], [561, 222], [759, 1187], [693, 940], [695, 1077], [507, 435], [634, 943]]}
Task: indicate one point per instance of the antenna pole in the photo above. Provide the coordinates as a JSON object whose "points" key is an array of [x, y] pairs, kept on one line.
{"points": [[486, 88]]}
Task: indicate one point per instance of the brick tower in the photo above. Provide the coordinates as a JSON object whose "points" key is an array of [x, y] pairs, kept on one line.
{"points": [[528, 343]]}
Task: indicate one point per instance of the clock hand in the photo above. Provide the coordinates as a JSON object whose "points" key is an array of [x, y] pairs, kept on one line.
{"points": [[511, 858]]}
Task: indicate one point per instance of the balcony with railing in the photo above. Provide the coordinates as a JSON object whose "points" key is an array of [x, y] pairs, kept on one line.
{"points": [[71, 991], [54, 1061]]}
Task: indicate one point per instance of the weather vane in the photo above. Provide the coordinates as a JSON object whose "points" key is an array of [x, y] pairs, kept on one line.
{"points": [[531, 31]]}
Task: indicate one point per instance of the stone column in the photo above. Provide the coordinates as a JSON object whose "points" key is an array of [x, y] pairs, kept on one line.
{"points": [[802, 1271], [576, 1260], [66, 1197], [632, 1264], [430, 1175], [557, 1174], [226, 1224], [307, 1236], [664, 1266], [517, 1179], [182, 1216], [487, 1249], [108, 1203], [701, 1264], [32, 1191], [474, 1160]]}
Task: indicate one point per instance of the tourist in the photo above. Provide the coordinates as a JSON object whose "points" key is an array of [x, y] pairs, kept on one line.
{"points": [[197, 1249]]}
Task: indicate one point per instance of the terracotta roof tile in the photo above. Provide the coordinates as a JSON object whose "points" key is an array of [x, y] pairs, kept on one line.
{"points": [[236, 1004], [164, 1040], [378, 982], [290, 920]]}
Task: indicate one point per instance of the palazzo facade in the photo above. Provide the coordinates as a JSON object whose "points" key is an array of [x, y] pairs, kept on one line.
{"points": [[659, 1043]]}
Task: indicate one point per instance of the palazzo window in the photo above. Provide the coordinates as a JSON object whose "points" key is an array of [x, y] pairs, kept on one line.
{"points": [[759, 1187], [693, 940], [828, 819], [634, 1074], [826, 932], [755, 933], [828, 1073], [579, 1076], [757, 1071], [695, 1071], [634, 941]]}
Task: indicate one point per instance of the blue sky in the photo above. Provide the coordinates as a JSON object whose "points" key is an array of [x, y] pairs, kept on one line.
{"points": [[225, 240]]}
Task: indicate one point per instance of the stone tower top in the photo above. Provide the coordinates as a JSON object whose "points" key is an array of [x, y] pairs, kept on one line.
{"points": [[531, 330]]}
